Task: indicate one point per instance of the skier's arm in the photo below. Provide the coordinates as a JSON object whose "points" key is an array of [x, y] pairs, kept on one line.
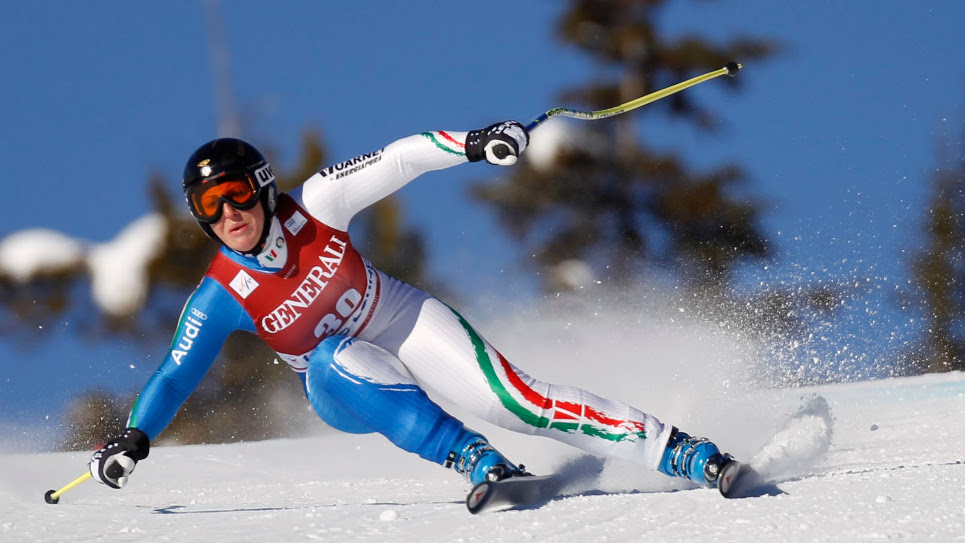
{"points": [[335, 194], [209, 316]]}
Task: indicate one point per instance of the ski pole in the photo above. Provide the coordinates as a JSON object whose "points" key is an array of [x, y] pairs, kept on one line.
{"points": [[53, 496], [730, 69]]}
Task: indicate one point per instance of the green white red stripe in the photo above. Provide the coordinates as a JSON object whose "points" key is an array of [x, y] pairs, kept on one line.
{"points": [[446, 142], [520, 399]]}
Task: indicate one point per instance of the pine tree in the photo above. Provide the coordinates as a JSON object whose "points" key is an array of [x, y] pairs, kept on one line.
{"points": [[617, 200], [939, 273]]}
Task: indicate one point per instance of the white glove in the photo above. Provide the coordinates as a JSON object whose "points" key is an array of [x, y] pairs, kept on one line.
{"points": [[113, 463]]}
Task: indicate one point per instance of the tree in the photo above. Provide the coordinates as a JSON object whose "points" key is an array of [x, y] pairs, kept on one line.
{"points": [[939, 273], [91, 418], [617, 198]]}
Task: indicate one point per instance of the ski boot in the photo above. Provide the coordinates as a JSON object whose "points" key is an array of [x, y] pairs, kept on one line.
{"points": [[479, 462], [694, 458]]}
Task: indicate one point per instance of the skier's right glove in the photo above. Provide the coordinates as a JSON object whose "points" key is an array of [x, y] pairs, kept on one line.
{"points": [[113, 463]]}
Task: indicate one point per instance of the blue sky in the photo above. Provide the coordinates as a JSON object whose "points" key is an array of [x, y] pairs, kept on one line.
{"points": [[840, 132]]}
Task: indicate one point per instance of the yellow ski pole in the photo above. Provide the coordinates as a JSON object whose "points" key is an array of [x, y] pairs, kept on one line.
{"points": [[53, 496], [730, 69]]}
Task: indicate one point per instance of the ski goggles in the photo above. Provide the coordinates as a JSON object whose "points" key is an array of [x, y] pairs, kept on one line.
{"points": [[207, 199]]}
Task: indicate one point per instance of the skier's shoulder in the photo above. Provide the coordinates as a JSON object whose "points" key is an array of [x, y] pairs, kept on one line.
{"points": [[309, 202], [210, 295], [213, 304]]}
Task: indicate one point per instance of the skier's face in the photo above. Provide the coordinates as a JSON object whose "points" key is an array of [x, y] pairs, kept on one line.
{"points": [[240, 229]]}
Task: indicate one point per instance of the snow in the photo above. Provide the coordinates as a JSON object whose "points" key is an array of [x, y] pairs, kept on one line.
{"points": [[890, 468], [555, 135], [28, 252], [118, 267]]}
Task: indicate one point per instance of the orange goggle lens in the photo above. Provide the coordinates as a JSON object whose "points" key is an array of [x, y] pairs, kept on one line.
{"points": [[207, 198]]}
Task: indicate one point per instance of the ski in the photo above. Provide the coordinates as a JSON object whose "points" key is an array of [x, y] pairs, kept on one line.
{"points": [[525, 492], [737, 480]]}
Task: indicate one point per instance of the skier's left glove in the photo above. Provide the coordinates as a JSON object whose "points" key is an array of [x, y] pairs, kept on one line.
{"points": [[113, 463], [499, 144]]}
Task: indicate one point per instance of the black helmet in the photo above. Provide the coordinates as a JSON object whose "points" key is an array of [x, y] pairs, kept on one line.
{"points": [[232, 171]]}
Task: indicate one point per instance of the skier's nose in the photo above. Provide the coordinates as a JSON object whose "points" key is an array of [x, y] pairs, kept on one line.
{"points": [[230, 211]]}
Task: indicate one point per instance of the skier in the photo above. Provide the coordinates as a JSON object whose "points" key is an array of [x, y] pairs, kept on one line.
{"points": [[365, 344]]}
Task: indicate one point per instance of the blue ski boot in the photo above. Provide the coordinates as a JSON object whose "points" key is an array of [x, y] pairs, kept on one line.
{"points": [[475, 458], [694, 458]]}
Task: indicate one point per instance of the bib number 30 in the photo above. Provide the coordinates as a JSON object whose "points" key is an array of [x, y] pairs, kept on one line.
{"points": [[344, 307]]}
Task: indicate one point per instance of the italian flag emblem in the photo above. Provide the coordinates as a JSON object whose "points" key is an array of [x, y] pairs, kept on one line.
{"points": [[446, 142], [537, 410]]}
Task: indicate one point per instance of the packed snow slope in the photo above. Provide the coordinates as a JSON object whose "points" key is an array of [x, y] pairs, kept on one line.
{"points": [[886, 464]]}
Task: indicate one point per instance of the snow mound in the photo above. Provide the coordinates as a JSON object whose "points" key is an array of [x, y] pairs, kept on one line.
{"points": [[800, 444], [27, 253], [118, 268]]}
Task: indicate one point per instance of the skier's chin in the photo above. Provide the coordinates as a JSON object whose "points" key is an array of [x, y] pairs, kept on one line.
{"points": [[242, 238]]}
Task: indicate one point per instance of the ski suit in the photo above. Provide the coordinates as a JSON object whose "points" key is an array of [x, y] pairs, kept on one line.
{"points": [[365, 344]]}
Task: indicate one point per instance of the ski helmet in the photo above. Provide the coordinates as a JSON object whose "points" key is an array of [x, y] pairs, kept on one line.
{"points": [[232, 171]]}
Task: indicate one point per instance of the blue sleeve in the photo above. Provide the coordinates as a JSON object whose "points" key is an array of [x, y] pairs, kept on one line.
{"points": [[210, 315]]}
